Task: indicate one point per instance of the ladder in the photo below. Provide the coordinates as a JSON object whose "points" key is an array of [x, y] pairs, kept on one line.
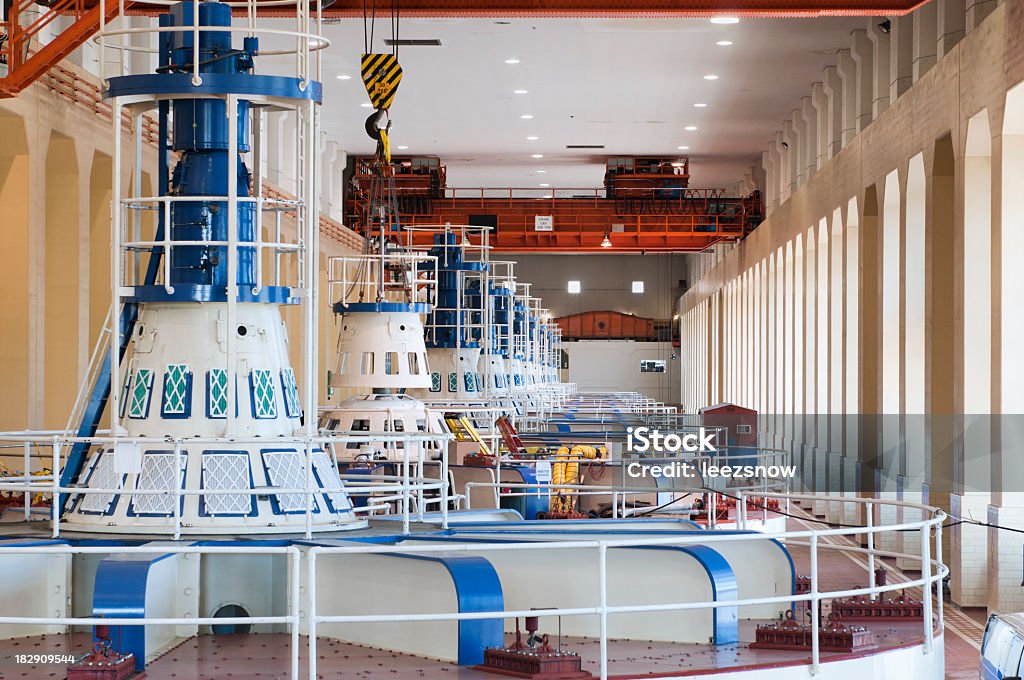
{"points": [[509, 435], [464, 431]]}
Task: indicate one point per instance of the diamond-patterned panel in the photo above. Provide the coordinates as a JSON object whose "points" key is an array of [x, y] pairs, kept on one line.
{"points": [[286, 470], [264, 397], [139, 407], [329, 480], [103, 476], [226, 470], [453, 382], [217, 393], [291, 393], [435, 382], [159, 470], [175, 389]]}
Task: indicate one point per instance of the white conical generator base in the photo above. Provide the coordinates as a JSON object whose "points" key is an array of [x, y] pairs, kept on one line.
{"points": [[494, 368], [454, 374], [381, 350], [385, 413], [175, 386]]}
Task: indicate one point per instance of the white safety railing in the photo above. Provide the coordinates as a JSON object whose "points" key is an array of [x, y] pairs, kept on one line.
{"points": [[405, 489], [929, 559], [932, 574]]}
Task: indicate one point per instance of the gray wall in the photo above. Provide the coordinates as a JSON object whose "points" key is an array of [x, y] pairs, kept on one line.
{"points": [[605, 281], [614, 366]]}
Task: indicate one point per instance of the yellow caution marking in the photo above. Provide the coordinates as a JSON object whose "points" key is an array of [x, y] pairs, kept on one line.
{"points": [[381, 76]]}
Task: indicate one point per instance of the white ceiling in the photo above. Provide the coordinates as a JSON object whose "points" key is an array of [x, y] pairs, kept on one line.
{"points": [[629, 84]]}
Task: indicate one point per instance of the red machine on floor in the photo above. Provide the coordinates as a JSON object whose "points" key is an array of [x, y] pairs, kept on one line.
{"points": [[534, 658], [103, 663]]}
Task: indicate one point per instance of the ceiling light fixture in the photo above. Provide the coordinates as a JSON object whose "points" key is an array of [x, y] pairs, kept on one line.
{"points": [[711, 76], [542, 171], [725, 20], [402, 148], [538, 155], [544, 184], [724, 43], [683, 148], [366, 105], [532, 138], [344, 76], [606, 242], [526, 116], [690, 128], [520, 91], [700, 105], [512, 60]]}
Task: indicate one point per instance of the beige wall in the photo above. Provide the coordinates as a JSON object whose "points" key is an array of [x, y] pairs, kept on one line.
{"points": [[850, 298]]}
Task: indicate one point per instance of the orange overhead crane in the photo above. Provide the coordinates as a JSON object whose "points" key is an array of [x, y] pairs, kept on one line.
{"points": [[645, 205]]}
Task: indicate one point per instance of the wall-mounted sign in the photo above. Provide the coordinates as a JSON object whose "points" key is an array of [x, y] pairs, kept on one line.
{"points": [[543, 222]]}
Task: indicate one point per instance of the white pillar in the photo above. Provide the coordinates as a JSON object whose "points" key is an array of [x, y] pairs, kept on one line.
{"points": [[863, 54], [880, 74], [835, 105], [901, 56], [809, 115]]}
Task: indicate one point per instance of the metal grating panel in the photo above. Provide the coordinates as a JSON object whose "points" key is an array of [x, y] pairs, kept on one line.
{"points": [[159, 471], [226, 470], [291, 393], [217, 394], [264, 398], [103, 476], [175, 389], [329, 480], [287, 470], [140, 393]]}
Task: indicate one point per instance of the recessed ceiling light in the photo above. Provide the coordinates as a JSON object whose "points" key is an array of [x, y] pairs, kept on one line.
{"points": [[700, 105], [542, 171], [532, 138], [683, 148], [690, 128], [344, 76], [724, 43], [538, 155], [548, 196], [544, 184], [512, 60], [520, 91], [725, 20], [402, 148], [711, 76], [366, 105], [526, 116]]}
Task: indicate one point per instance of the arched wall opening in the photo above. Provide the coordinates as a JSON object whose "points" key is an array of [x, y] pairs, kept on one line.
{"points": [[14, 275]]}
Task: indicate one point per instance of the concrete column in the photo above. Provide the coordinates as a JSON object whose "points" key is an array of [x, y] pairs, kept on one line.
{"points": [[328, 187], [847, 70], [820, 101], [901, 56], [788, 146], [950, 23], [880, 72], [976, 12], [925, 38], [768, 193], [836, 106], [798, 149], [863, 53], [274, 147], [809, 145]]}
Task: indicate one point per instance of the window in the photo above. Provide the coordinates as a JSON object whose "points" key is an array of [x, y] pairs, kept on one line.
{"points": [[367, 365], [391, 363], [652, 365], [414, 363], [638, 286], [574, 287], [264, 396], [358, 425]]}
